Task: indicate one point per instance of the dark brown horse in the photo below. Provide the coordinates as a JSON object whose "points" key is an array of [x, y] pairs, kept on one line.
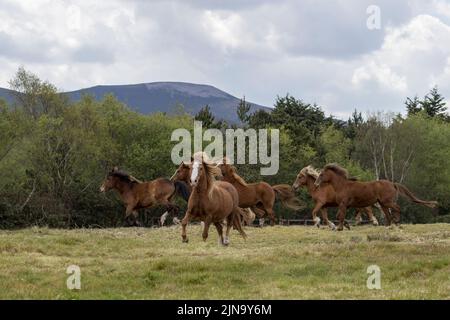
{"points": [[350, 193], [324, 197], [260, 196], [211, 201], [136, 194]]}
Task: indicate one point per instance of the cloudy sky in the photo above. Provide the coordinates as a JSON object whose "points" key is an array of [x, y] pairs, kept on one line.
{"points": [[319, 51]]}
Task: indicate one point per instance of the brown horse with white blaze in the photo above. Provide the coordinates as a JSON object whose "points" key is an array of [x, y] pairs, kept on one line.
{"points": [[136, 194], [260, 196], [211, 201], [350, 193], [324, 197], [182, 174]]}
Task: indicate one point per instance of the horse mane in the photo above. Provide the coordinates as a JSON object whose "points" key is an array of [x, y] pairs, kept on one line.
{"points": [[211, 168], [237, 177], [226, 162], [124, 176], [338, 170], [310, 171]]}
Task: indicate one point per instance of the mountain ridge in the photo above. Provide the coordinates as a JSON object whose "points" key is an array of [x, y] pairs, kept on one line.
{"points": [[163, 96]]}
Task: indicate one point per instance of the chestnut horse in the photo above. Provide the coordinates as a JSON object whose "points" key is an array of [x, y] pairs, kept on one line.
{"points": [[137, 194], [260, 196], [324, 197], [182, 174], [358, 194], [211, 201]]}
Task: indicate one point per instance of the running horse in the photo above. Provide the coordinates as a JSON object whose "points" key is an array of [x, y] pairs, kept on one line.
{"points": [[350, 193], [211, 201], [182, 174], [324, 197], [259, 197], [136, 194]]}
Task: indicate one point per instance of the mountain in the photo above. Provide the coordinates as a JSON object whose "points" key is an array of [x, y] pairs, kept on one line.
{"points": [[7, 95], [164, 97]]}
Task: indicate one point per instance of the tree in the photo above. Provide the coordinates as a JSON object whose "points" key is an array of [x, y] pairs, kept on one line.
{"points": [[206, 117], [353, 123], [413, 106], [35, 96], [260, 119], [242, 110], [434, 103]]}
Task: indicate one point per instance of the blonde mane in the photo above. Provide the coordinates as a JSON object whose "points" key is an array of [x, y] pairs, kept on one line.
{"points": [[211, 170], [310, 171]]}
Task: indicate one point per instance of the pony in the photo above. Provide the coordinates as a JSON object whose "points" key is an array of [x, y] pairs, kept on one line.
{"points": [[260, 196], [183, 174], [350, 193], [324, 197], [136, 194], [211, 201]]}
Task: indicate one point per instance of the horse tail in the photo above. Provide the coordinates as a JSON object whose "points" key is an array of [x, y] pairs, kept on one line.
{"points": [[286, 195], [248, 215], [405, 192], [237, 222], [182, 189]]}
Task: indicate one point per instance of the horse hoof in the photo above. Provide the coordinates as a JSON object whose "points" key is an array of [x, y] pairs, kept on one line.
{"points": [[185, 240]]}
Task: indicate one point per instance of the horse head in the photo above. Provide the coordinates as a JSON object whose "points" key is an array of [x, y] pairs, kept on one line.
{"points": [[302, 177], [110, 181]]}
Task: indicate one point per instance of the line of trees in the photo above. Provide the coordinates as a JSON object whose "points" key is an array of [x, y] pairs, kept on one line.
{"points": [[54, 153]]}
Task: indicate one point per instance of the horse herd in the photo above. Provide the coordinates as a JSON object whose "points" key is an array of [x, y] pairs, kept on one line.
{"points": [[217, 195]]}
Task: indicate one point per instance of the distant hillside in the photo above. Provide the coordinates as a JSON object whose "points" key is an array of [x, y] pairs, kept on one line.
{"points": [[6, 95], [164, 97]]}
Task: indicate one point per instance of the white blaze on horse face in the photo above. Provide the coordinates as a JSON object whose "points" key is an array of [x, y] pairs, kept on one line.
{"points": [[194, 174]]}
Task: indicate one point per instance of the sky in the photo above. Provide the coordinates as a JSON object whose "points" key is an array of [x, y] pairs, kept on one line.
{"points": [[320, 51]]}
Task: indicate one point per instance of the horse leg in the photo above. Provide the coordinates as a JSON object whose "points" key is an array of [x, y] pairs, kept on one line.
{"points": [[184, 223], [219, 228], [372, 217], [341, 216], [316, 219], [271, 214], [128, 213], [396, 208], [226, 238], [325, 218], [358, 217], [387, 215], [137, 223], [258, 211], [206, 228]]}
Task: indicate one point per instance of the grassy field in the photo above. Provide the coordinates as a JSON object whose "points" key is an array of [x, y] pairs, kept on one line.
{"points": [[273, 263]]}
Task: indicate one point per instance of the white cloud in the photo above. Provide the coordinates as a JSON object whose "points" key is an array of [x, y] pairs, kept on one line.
{"points": [[319, 51], [412, 58]]}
